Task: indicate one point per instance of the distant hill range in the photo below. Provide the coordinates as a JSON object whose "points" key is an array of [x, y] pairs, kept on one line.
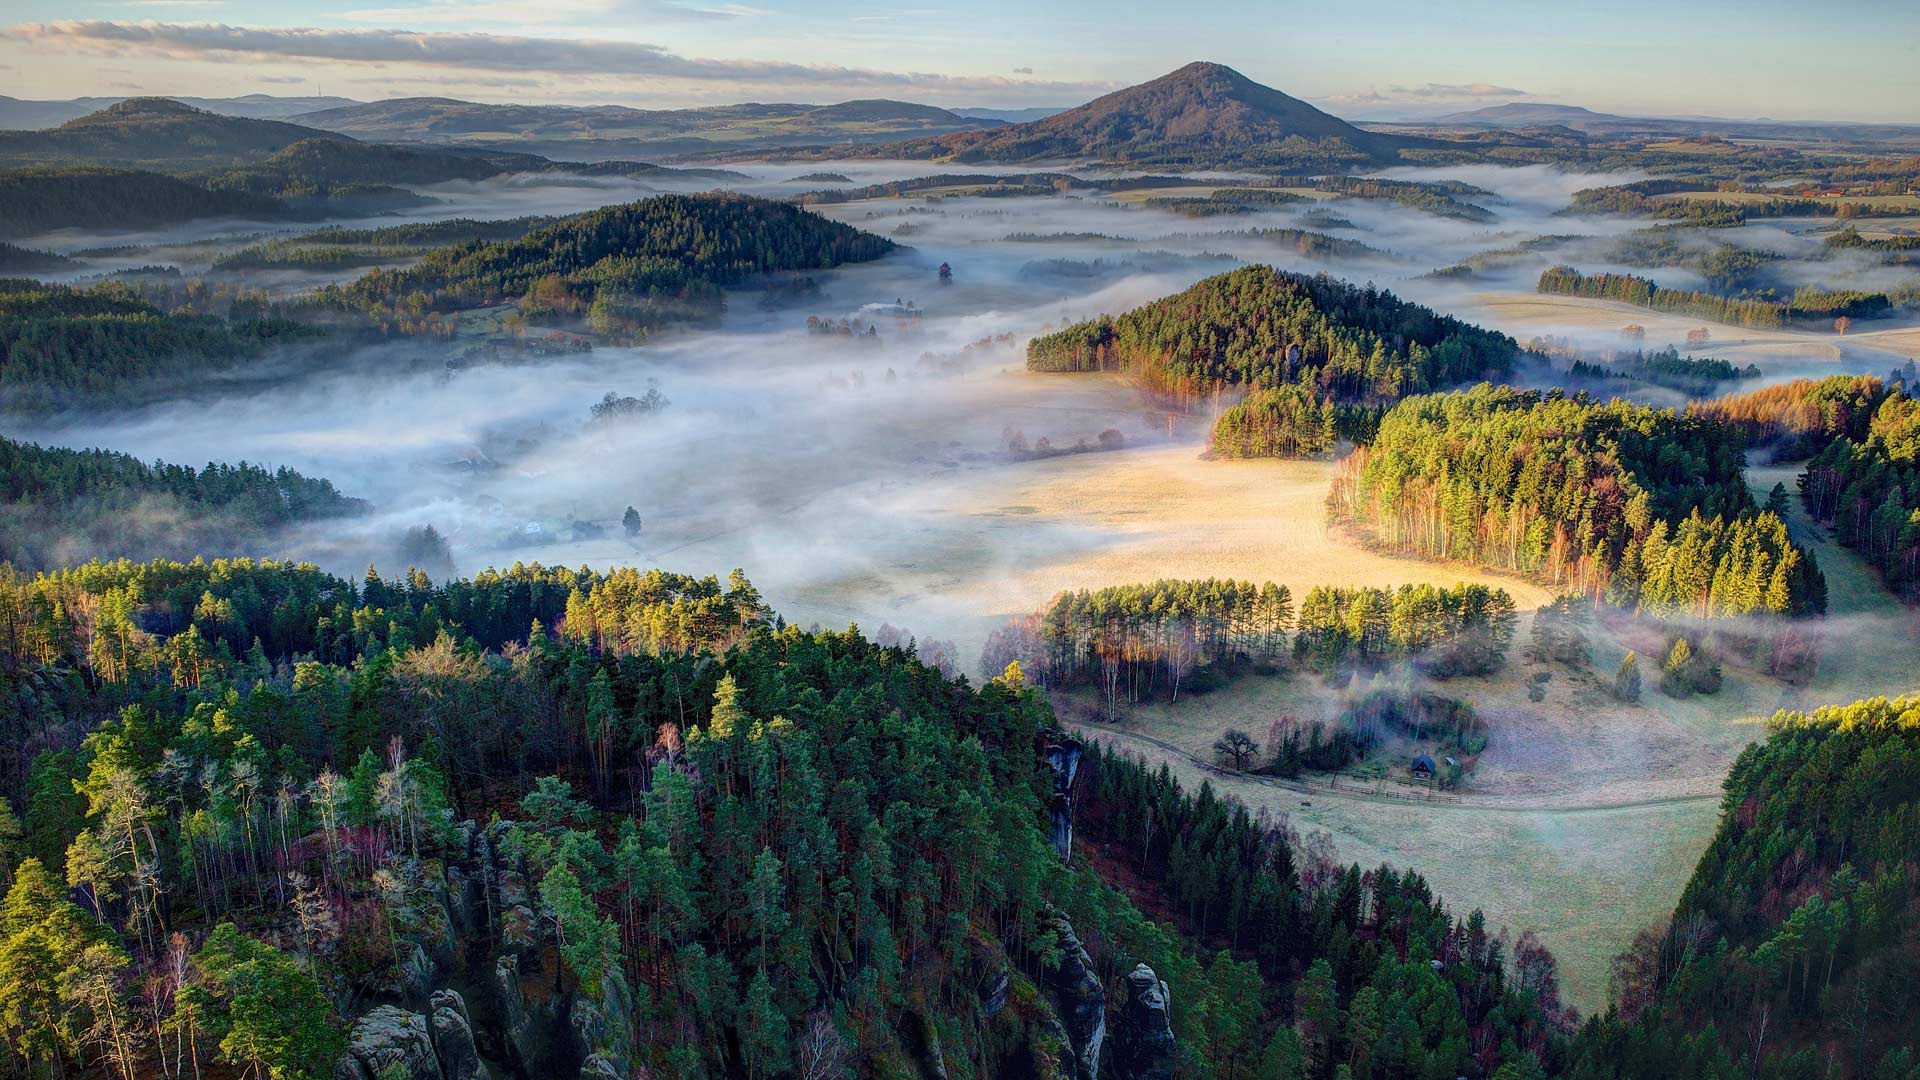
{"points": [[1519, 115], [1202, 114], [1013, 116], [103, 170], [20, 114], [617, 130]]}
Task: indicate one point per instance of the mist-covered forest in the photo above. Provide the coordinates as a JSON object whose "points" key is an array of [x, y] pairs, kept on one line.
{"points": [[1302, 601]]}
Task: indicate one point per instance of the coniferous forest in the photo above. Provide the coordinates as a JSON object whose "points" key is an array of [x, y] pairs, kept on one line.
{"points": [[1307, 348], [1430, 741], [1642, 507]]}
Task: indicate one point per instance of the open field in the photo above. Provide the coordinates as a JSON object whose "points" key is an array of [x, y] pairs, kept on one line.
{"points": [[1878, 202], [983, 544], [1784, 352], [1583, 879], [1584, 817]]}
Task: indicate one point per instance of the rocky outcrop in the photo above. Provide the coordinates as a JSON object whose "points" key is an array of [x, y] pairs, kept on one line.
{"points": [[390, 1035], [452, 1031], [1063, 757], [523, 1020], [1078, 998], [1143, 1045]]}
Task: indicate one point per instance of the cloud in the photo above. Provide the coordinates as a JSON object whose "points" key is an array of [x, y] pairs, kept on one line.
{"points": [[468, 12], [1023, 71], [1429, 92], [281, 80], [499, 82], [487, 52]]}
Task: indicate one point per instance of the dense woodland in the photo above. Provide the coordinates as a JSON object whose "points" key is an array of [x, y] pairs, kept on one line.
{"points": [[1305, 347], [42, 199], [745, 849], [1791, 953], [59, 507], [1868, 490], [1798, 419], [59, 343], [1755, 312], [622, 269], [1644, 508], [1136, 642], [335, 247]]}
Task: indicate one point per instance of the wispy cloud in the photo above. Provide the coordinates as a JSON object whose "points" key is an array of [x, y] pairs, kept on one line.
{"points": [[551, 12], [491, 52], [1429, 92]]}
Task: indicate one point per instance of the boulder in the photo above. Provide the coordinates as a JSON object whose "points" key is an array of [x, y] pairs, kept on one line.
{"points": [[1079, 999], [993, 992], [453, 1038], [603, 1025], [516, 1020], [390, 1035], [1143, 1044], [597, 1067], [416, 974]]}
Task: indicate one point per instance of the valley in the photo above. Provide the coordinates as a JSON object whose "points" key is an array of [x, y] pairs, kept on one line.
{"points": [[1184, 585]]}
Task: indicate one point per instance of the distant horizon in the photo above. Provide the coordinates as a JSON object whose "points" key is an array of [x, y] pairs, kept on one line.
{"points": [[1333, 108], [1398, 60]]}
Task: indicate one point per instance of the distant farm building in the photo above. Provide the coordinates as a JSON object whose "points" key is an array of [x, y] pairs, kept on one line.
{"points": [[1422, 768]]}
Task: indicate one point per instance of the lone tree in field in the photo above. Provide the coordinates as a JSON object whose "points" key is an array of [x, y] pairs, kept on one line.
{"points": [[631, 520], [1235, 749], [1626, 681]]}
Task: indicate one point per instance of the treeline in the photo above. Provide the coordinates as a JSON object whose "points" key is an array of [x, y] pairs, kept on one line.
{"points": [[1259, 327], [58, 506], [1799, 418], [334, 247], [15, 259], [1015, 183], [1447, 198], [1791, 950], [1642, 292], [1693, 375], [1135, 642], [61, 343], [1635, 198], [38, 200], [1868, 490], [1382, 980], [1898, 248], [625, 268], [1290, 422], [1638, 506], [1726, 267]]}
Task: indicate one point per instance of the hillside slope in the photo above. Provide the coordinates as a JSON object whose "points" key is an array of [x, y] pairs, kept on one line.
{"points": [[1204, 113]]}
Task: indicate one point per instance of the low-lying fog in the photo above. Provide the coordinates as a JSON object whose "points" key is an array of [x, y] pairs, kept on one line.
{"points": [[816, 459]]}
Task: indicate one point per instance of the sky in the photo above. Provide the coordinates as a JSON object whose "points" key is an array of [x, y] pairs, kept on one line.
{"points": [[1834, 60]]}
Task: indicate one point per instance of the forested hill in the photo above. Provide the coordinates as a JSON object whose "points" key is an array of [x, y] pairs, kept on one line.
{"points": [[552, 823], [61, 345], [155, 132], [1641, 506], [1258, 327], [58, 506], [621, 267], [38, 200], [1201, 114], [1793, 949]]}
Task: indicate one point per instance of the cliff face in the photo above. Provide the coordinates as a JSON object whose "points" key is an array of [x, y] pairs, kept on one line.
{"points": [[480, 991]]}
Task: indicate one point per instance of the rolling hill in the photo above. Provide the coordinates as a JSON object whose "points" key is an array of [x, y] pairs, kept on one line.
{"points": [[1202, 114], [27, 114], [154, 133], [606, 130]]}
